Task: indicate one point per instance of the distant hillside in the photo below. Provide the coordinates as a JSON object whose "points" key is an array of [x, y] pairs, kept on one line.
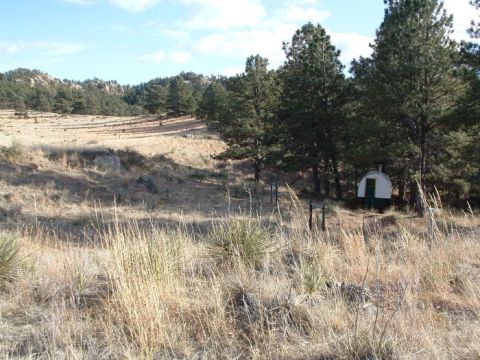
{"points": [[24, 89]]}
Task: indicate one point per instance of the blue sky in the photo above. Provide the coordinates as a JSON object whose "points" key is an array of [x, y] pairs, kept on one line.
{"points": [[133, 41]]}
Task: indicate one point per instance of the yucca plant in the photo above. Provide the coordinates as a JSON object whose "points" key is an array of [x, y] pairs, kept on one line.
{"points": [[241, 241], [312, 277], [10, 258]]}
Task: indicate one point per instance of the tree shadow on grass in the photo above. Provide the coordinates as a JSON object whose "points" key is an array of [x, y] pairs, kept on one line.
{"points": [[73, 198]]}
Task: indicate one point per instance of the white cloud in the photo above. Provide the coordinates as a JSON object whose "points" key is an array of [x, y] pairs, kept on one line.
{"points": [[299, 14], [154, 58], [223, 15], [182, 57], [9, 48], [177, 56], [352, 46], [120, 29], [243, 28], [61, 49], [241, 44], [463, 13], [268, 43], [266, 36], [232, 71], [129, 5], [52, 48], [181, 36], [135, 5]]}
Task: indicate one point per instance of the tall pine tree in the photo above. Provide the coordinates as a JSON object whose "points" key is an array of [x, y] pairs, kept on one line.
{"points": [[312, 117], [247, 119], [411, 82]]}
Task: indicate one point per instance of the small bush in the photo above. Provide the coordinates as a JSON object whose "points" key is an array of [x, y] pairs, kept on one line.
{"points": [[12, 153], [197, 176], [312, 277], [246, 242], [9, 257], [130, 158], [149, 183]]}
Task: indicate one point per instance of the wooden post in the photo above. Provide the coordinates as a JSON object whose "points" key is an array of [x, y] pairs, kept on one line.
{"points": [[271, 193], [234, 167]]}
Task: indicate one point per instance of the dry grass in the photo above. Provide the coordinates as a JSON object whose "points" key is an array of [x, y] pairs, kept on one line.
{"points": [[154, 293], [111, 270], [183, 140]]}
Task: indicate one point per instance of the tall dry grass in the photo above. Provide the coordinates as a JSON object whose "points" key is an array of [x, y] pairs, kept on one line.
{"points": [[249, 289]]}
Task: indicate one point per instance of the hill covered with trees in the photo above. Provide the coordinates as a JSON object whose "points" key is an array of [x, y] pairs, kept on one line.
{"points": [[24, 89]]}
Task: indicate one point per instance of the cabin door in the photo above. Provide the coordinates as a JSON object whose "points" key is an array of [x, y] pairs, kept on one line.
{"points": [[370, 193]]}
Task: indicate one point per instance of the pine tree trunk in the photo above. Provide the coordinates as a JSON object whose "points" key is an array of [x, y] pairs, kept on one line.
{"points": [[336, 175], [326, 180], [257, 171], [316, 179], [401, 189], [413, 193], [355, 190], [423, 169]]}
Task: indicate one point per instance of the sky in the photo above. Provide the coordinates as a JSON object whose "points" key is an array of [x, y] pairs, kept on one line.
{"points": [[133, 41]]}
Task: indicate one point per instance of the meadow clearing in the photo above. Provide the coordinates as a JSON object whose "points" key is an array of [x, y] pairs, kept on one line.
{"points": [[123, 238]]}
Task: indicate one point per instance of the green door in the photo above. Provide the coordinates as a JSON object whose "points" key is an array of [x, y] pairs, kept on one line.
{"points": [[370, 193]]}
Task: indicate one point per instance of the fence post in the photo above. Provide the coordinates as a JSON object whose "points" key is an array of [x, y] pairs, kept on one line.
{"points": [[271, 193]]}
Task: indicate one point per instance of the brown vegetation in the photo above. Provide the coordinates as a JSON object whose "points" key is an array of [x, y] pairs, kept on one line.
{"points": [[149, 257]]}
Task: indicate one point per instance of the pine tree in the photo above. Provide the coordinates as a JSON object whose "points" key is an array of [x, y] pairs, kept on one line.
{"points": [[411, 81], [92, 104], [63, 102], [40, 100], [247, 119], [312, 108], [212, 104], [155, 100], [458, 161], [79, 105], [179, 98]]}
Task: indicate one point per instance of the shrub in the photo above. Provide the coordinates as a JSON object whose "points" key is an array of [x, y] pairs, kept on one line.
{"points": [[130, 158], [312, 277], [241, 241], [149, 183], [197, 176], [12, 153], [9, 257]]}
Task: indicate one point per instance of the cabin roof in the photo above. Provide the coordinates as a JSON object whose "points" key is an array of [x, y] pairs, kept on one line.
{"points": [[377, 173]]}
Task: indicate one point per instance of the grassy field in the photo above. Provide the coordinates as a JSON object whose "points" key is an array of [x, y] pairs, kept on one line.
{"points": [[122, 238]]}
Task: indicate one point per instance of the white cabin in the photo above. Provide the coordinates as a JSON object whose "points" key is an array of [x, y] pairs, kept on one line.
{"points": [[376, 185]]}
